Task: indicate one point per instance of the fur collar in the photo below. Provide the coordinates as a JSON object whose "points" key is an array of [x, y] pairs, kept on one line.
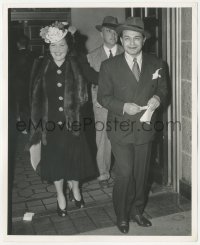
{"points": [[75, 95]]}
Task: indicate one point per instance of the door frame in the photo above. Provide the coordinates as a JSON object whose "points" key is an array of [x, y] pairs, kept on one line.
{"points": [[170, 25], [171, 42]]}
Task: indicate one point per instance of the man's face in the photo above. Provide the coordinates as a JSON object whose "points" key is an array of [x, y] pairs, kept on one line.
{"points": [[132, 41], [109, 36]]}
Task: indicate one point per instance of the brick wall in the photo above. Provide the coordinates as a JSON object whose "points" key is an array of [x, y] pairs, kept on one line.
{"points": [[186, 80]]}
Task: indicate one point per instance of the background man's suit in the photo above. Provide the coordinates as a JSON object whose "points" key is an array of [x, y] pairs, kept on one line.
{"points": [[117, 85], [95, 59], [21, 69]]}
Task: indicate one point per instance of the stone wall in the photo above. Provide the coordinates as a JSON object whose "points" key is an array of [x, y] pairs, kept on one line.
{"points": [[186, 82]]}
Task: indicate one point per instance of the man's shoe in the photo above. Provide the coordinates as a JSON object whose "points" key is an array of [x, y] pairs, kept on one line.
{"points": [[123, 226], [142, 221]]}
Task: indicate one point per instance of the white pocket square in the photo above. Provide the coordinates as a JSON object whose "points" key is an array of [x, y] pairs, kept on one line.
{"points": [[156, 74]]}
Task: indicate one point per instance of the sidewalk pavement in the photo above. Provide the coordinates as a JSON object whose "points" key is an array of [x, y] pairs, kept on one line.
{"points": [[169, 213], [165, 208], [178, 224]]}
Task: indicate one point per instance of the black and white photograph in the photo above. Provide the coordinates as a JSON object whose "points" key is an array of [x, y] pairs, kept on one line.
{"points": [[99, 129]]}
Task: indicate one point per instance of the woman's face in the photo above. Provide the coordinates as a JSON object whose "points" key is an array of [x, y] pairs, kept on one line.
{"points": [[59, 50]]}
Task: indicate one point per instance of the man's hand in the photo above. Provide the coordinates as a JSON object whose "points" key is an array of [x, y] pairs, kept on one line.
{"points": [[154, 103], [131, 109]]}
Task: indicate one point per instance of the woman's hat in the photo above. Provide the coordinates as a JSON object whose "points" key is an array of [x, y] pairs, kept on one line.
{"points": [[109, 21], [56, 31], [133, 24]]}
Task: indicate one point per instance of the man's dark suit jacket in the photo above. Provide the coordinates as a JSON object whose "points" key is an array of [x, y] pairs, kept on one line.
{"points": [[117, 85], [22, 64]]}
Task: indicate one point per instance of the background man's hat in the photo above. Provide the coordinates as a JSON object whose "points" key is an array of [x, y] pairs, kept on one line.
{"points": [[108, 21], [133, 24]]}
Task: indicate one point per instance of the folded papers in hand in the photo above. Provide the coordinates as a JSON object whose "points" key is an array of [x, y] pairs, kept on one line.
{"points": [[146, 117]]}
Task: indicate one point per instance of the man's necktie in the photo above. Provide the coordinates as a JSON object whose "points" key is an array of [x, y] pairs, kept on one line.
{"points": [[111, 55], [136, 69]]}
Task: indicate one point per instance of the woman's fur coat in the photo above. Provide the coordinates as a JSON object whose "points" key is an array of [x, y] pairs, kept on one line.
{"points": [[75, 95]]}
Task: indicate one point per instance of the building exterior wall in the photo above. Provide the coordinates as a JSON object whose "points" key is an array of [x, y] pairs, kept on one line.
{"points": [[90, 17], [186, 83]]}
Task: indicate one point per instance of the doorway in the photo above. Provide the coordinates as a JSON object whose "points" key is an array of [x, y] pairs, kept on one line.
{"points": [[163, 24]]}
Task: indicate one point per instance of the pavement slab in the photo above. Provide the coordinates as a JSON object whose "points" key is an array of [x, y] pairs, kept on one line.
{"points": [[178, 224]]}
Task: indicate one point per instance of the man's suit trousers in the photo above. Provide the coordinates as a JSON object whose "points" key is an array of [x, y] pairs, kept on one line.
{"points": [[102, 141], [131, 173]]}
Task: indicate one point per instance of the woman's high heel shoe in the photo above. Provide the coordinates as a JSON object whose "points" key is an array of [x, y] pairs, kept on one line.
{"points": [[79, 204], [61, 212], [71, 195]]}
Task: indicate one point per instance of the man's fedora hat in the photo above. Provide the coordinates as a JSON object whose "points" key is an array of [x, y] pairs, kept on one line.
{"points": [[109, 21], [133, 24]]}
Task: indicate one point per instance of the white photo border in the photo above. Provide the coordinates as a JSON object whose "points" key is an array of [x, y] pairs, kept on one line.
{"points": [[4, 238]]}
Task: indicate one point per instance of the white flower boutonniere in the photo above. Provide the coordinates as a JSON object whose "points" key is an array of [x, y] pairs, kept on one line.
{"points": [[156, 74]]}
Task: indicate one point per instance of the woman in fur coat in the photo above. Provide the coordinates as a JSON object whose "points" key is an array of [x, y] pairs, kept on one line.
{"points": [[59, 91]]}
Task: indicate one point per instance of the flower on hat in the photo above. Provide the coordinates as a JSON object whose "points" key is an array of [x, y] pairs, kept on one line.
{"points": [[72, 29], [54, 33]]}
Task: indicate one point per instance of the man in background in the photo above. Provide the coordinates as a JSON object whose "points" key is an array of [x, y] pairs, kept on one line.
{"points": [[21, 70], [107, 50]]}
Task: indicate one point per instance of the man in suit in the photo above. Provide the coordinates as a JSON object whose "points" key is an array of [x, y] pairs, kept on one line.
{"points": [[108, 49], [127, 83], [21, 70]]}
